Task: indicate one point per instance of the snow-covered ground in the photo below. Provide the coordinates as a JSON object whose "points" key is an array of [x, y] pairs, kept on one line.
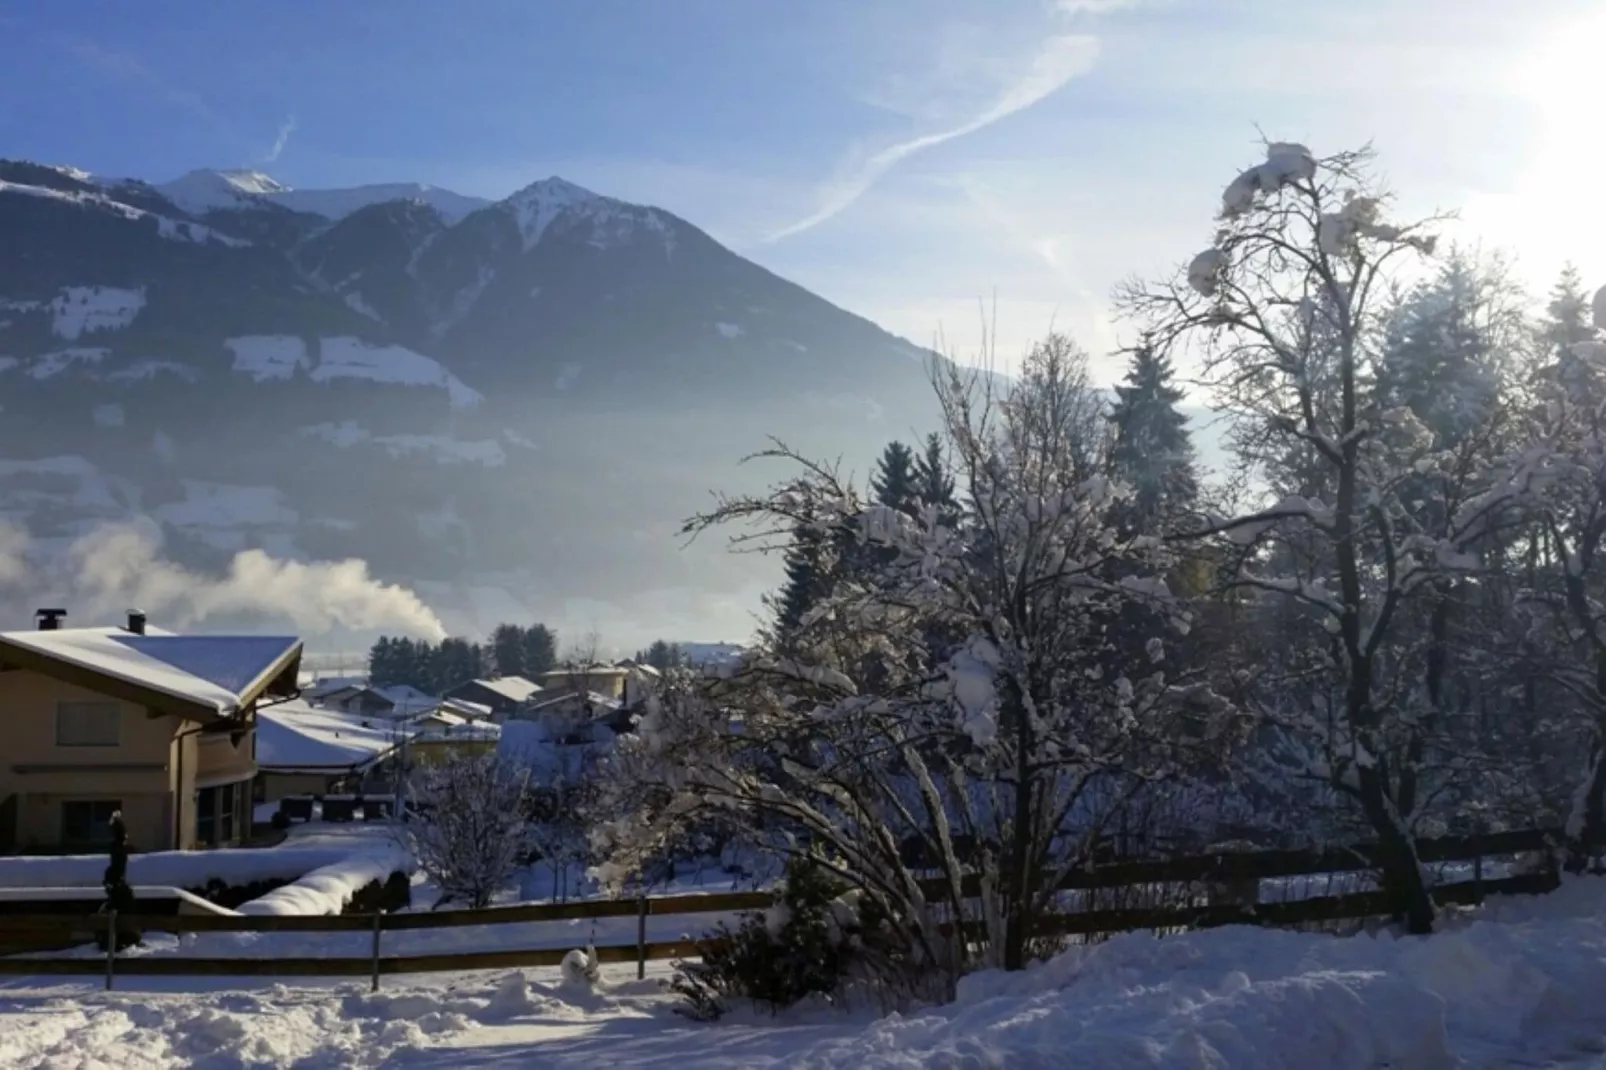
{"points": [[1514, 984]]}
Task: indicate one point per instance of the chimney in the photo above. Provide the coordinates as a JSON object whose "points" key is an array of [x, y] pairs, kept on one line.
{"points": [[49, 619], [136, 622]]}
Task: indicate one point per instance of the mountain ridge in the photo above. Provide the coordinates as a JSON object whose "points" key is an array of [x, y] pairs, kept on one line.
{"points": [[521, 401]]}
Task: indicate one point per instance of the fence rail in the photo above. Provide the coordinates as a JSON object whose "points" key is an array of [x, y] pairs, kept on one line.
{"points": [[1223, 868]]}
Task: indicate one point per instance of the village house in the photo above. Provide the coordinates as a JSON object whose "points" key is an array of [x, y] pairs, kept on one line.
{"points": [[309, 750], [158, 726], [503, 694]]}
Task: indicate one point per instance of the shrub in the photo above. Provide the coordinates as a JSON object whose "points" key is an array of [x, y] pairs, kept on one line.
{"points": [[808, 944]]}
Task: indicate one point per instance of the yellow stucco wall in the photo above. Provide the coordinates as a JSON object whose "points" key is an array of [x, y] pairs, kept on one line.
{"points": [[140, 772]]}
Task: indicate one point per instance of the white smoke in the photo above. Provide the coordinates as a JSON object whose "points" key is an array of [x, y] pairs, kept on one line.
{"points": [[121, 565], [13, 555], [286, 128]]}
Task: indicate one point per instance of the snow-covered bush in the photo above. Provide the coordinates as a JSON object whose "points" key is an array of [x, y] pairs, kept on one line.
{"points": [[471, 832], [812, 942], [955, 708]]}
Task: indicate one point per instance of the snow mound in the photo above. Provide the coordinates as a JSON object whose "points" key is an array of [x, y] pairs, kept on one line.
{"points": [[179, 869], [1514, 979], [329, 888]]}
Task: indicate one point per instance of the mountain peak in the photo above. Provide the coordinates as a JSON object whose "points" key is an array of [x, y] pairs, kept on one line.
{"points": [[205, 190], [535, 206]]}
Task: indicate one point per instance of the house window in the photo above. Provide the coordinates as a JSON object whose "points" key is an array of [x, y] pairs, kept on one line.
{"points": [[217, 815], [88, 724], [88, 823]]}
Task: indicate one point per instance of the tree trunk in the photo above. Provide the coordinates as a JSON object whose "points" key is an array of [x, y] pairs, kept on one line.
{"points": [[1019, 882], [1399, 873]]}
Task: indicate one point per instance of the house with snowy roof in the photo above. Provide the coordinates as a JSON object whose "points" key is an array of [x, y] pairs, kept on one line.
{"points": [[503, 694], [397, 700], [310, 750], [159, 726]]}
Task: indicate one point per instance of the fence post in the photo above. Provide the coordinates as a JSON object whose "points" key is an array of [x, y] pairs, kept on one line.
{"points": [[641, 938], [1477, 868], [378, 918], [111, 946]]}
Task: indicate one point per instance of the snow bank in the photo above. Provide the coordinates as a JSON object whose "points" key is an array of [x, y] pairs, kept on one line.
{"points": [[182, 869], [1517, 979], [328, 889]]}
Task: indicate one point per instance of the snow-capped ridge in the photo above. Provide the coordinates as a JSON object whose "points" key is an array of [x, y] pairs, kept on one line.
{"points": [[202, 191]]}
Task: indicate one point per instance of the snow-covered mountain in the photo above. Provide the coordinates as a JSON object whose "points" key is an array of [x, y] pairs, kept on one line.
{"points": [[505, 404], [203, 191]]}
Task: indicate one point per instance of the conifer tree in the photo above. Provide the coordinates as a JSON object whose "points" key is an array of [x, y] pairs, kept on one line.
{"points": [[895, 483], [1152, 453], [934, 485]]}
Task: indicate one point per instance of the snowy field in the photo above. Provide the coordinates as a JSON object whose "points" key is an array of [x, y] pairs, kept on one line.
{"points": [[1517, 983]]}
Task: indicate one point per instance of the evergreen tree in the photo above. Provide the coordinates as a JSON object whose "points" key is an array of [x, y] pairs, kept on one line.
{"points": [[1152, 452], [1568, 321], [1447, 345], [934, 485], [661, 655], [540, 650], [804, 582], [507, 649], [894, 483], [454, 662]]}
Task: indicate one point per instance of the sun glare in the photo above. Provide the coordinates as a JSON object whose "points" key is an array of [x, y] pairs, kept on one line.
{"points": [[1545, 216]]}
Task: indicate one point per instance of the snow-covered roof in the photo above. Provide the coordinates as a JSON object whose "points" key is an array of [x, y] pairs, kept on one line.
{"points": [[516, 688], [407, 697], [328, 685], [294, 736], [459, 733], [596, 700], [219, 673], [472, 710]]}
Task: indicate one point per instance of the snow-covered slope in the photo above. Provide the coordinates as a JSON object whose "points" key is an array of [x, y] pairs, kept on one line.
{"points": [[339, 203], [202, 191]]}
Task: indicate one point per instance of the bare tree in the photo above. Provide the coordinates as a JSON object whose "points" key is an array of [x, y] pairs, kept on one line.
{"points": [[1286, 311], [472, 830], [958, 707]]}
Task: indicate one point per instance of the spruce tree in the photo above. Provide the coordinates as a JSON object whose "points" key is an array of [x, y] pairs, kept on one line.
{"points": [[1152, 453], [507, 649], [934, 486], [803, 584], [894, 483], [540, 650]]}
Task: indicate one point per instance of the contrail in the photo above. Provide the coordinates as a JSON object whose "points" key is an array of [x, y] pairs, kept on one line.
{"points": [[286, 128], [1056, 63]]}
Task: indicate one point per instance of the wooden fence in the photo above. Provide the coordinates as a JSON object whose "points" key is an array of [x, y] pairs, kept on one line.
{"points": [[1207, 870]]}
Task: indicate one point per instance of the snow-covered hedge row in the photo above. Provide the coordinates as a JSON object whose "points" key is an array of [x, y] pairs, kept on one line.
{"points": [[181, 869], [329, 888]]}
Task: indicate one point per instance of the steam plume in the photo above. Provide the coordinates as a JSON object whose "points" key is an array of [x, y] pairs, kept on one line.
{"points": [[119, 565]]}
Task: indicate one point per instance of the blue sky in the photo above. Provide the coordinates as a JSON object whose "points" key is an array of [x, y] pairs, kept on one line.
{"points": [[908, 159]]}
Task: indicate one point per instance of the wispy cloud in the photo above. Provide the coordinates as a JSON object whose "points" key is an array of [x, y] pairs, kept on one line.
{"points": [[286, 128], [127, 68], [1058, 60]]}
